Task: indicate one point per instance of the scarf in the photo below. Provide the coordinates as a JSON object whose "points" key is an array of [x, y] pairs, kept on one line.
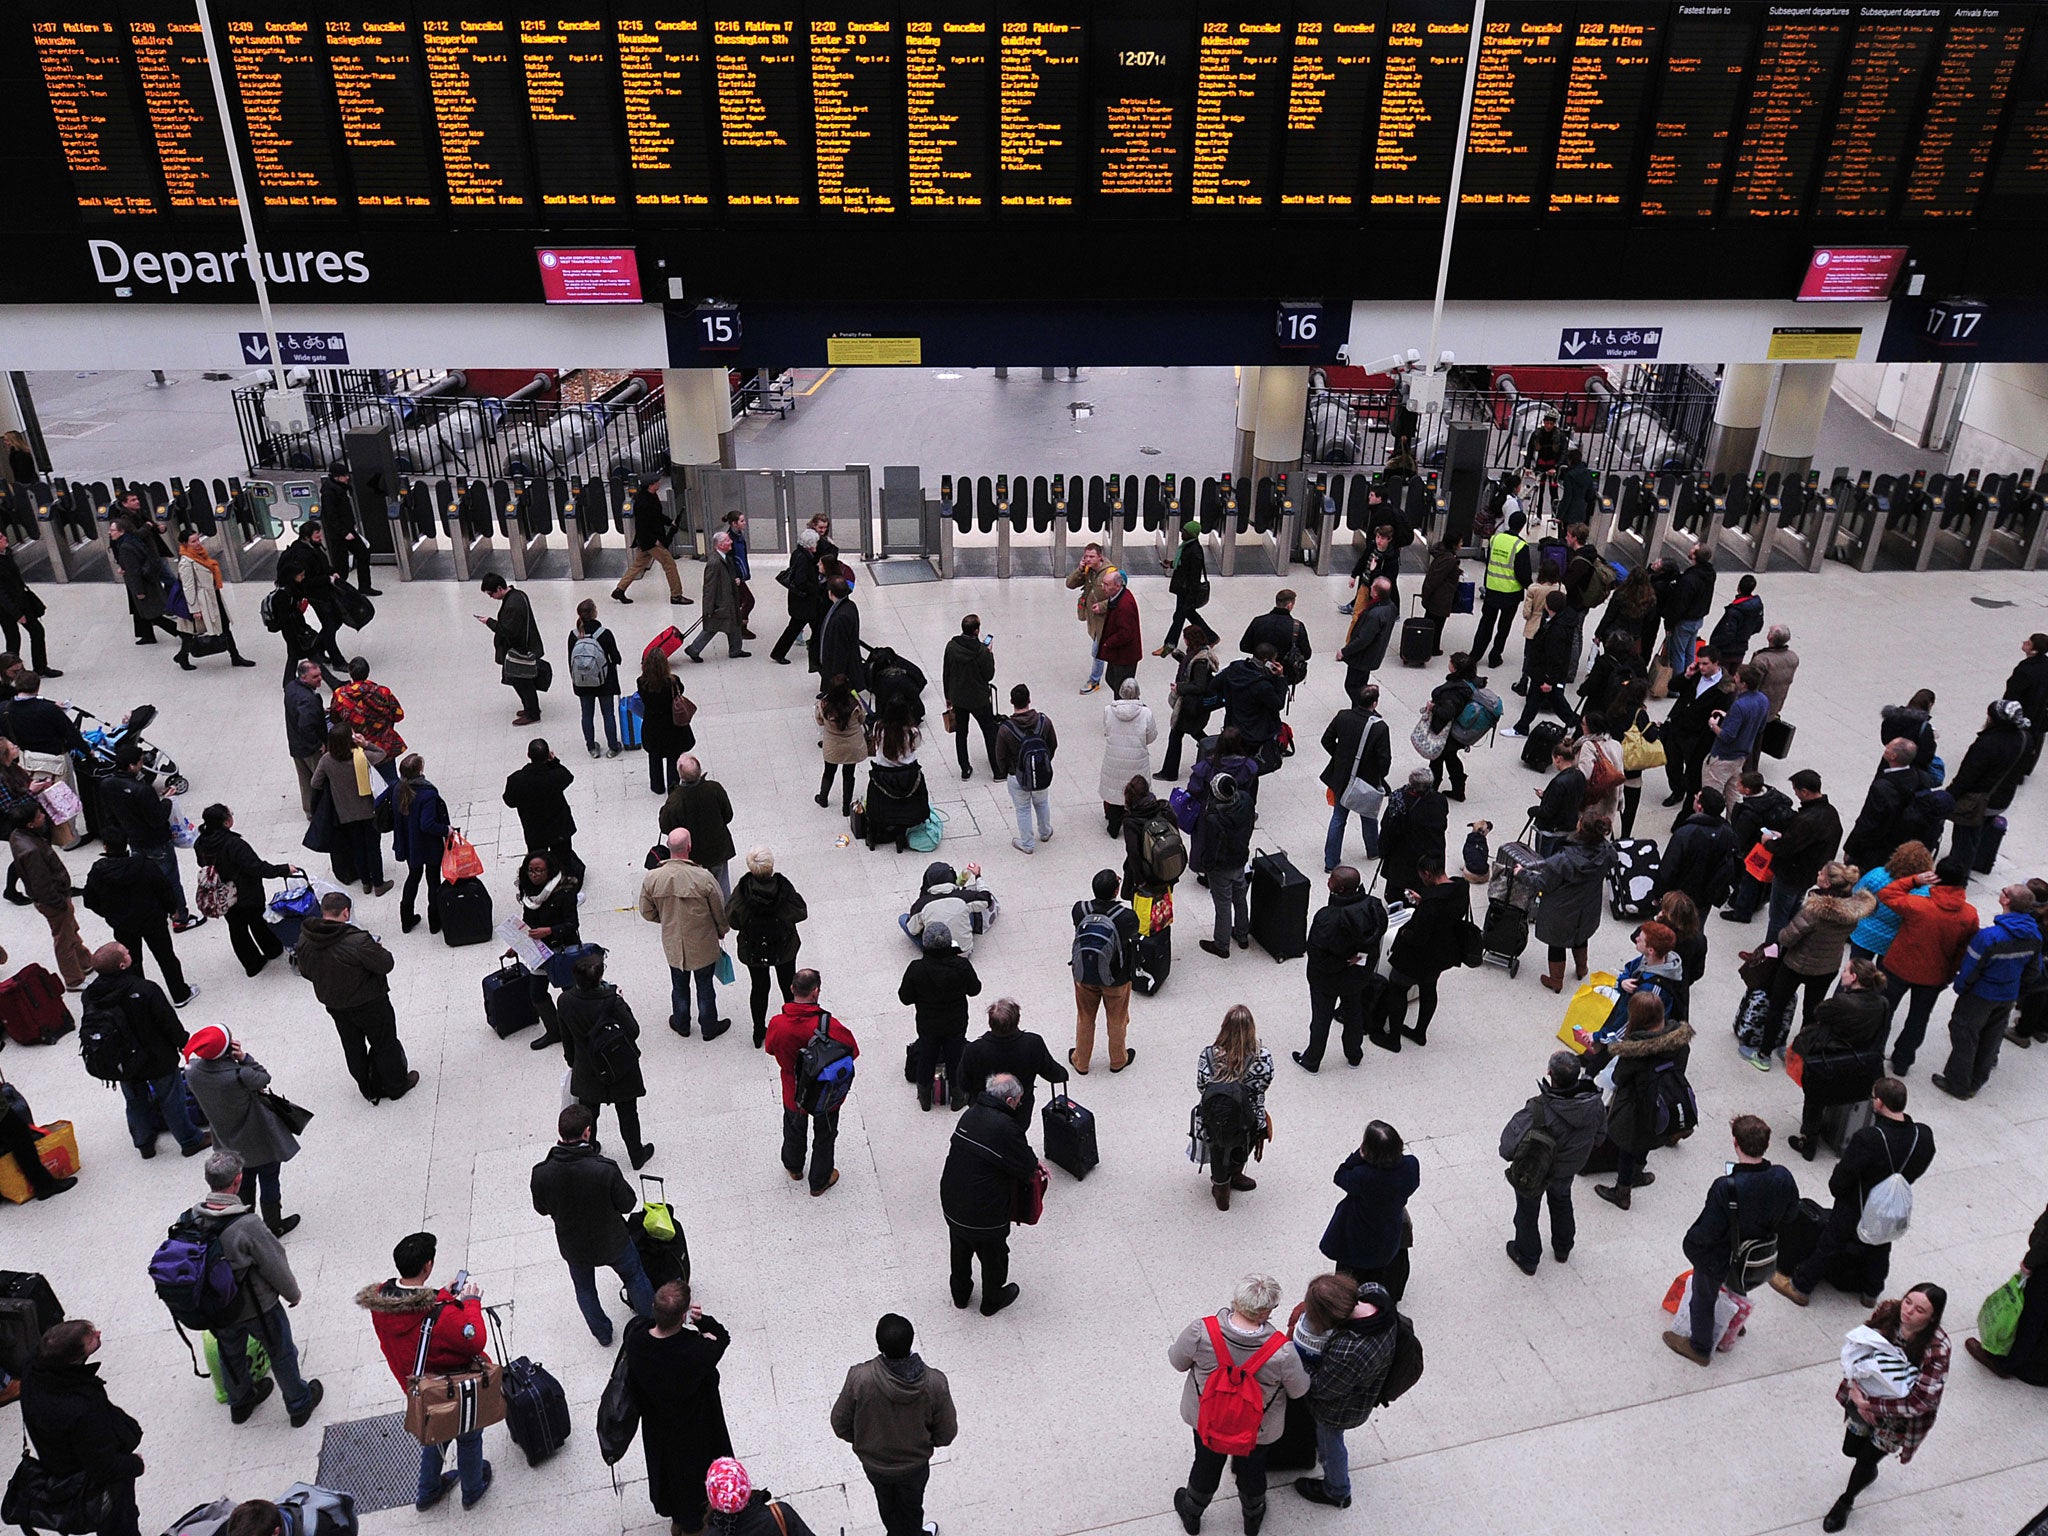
{"points": [[540, 897]]}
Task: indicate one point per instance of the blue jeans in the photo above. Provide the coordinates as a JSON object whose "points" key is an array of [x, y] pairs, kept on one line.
{"points": [[1098, 665], [1333, 840], [593, 705], [1026, 801], [679, 996], [170, 1094], [274, 1332], [1336, 1459], [1785, 903], [639, 1294], [1683, 634], [166, 859], [469, 1461]]}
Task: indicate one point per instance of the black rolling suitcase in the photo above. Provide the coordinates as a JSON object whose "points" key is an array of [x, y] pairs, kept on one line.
{"points": [[1418, 641], [536, 1409], [1541, 741], [1279, 906], [664, 1258], [508, 999], [28, 1310], [1838, 1122], [1988, 843], [465, 913], [1155, 961], [1069, 1135]]}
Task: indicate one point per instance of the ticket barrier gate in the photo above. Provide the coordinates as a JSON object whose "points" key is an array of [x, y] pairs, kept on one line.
{"points": [[1631, 519], [75, 514], [255, 523], [2014, 527], [24, 519], [1680, 509], [1890, 518]]}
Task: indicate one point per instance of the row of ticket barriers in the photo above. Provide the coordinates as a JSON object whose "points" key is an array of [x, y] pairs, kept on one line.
{"points": [[457, 528]]}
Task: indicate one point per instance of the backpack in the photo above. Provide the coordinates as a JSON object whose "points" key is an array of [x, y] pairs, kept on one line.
{"points": [[1034, 759], [272, 609], [192, 1275], [1406, 1367], [824, 1070], [1480, 714], [1602, 584], [1677, 1113], [1098, 952], [588, 664], [1534, 1158], [1233, 1404], [1888, 1208], [610, 1050], [1162, 852], [1751, 1261], [107, 1044], [1294, 665], [1224, 1119]]}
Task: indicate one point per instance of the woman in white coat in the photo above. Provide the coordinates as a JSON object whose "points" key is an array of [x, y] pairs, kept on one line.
{"points": [[1128, 731]]}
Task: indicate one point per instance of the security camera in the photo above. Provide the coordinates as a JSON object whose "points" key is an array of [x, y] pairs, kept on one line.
{"points": [[1446, 358], [1393, 364]]}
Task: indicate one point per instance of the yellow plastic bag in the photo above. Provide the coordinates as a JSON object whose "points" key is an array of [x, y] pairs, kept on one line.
{"points": [[1589, 1007]]}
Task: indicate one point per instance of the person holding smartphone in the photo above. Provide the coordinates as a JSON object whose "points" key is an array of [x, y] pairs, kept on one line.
{"points": [[400, 1310]]}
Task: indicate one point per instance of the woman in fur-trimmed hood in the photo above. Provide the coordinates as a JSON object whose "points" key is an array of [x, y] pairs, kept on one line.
{"points": [[1809, 950]]}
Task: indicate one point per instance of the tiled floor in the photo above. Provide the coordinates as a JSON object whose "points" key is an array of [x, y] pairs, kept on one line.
{"points": [[1549, 1403]]}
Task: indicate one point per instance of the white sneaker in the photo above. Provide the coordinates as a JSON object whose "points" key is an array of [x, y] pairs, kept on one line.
{"points": [[931, 1528], [1511, 733], [194, 992]]}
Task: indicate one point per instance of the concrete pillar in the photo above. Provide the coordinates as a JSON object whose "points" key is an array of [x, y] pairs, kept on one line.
{"points": [[1738, 416], [698, 404], [1803, 391], [1281, 422], [1247, 421]]}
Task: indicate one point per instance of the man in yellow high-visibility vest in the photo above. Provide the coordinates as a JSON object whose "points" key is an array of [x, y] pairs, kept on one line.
{"points": [[1508, 570]]}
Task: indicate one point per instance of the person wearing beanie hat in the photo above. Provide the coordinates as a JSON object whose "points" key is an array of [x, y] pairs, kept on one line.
{"points": [[228, 1085], [1987, 776], [738, 1508], [937, 984], [342, 528], [1189, 583], [1810, 839]]}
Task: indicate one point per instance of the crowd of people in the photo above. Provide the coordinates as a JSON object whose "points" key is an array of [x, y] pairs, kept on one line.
{"points": [[1864, 912]]}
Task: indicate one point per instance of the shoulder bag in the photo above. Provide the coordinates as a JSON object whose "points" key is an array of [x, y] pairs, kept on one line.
{"points": [[66, 1505], [446, 1404], [294, 1117], [682, 709], [1358, 796]]}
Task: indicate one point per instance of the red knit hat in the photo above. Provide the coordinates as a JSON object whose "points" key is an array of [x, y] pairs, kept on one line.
{"points": [[207, 1042], [727, 1486]]}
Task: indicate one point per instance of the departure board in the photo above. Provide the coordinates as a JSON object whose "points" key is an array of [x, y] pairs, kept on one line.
{"points": [[1329, 102], [1887, 66], [375, 69], [1241, 78], [947, 66], [661, 85], [1140, 82], [472, 79], [857, 107], [1692, 141], [1973, 77], [1606, 88], [1040, 129], [278, 72], [84, 70], [1789, 94], [2019, 183], [763, 112], [1422, 87], [177, 95], [566, 64], [1521, 66]]}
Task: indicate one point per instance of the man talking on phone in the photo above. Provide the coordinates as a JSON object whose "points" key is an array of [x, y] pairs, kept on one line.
{"points": [[399, 1310], [1734, 1241]]}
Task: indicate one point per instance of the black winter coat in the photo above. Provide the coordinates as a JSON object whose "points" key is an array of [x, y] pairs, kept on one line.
{"points": [[1022, 1055], [1412, 826], [152, 1021], [1699, 846], [1433, 940], [129, 892], [305, 720], [1252, 699], [18, 600], [582, 1009], [557, 914], [2028, 686], [1843, 1047], [1811, 839], [986, 1160], [839, 653], [1874, 1154], [1278, 628], [587, 1197], [966, 670], [137, 809], [1988, 767], [1347, 925], [232, 858], [1632, 1111], [539, 792], [1340, 740], [75, 1428], [674, 1381], [1693, 595], [1880, 825], [937, 984], [765, 914], [660, 736]]}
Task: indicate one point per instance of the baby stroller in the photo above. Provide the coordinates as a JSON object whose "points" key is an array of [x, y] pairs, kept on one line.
{"points": [[897, 801], [1510, 907], [105, 740]]}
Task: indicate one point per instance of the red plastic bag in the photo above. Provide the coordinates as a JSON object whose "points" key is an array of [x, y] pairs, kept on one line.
{"points": [[459, 860]]}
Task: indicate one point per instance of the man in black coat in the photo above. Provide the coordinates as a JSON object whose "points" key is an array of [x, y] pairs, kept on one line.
{"points": [[701, 807], [1701, 849], [539, 792], [1365, 649], [1696, 698], [1008, 1049], [966, 673], [1281, 630], [342, 527], [514, 631], [1811, 839], [1343, 965], [305, 572], [651, 533], [1358, 746], [1747, 1204], [806, 599], [584, 1194], [135, 806], [1987, 776], [986, 1161], [936, 986], [1880, 824], [130, 894], [21, 609], [34, 724], [156, 1050], [1254, 690], [305, 727], [1754, 807], [2027, 687], [1412, 827], [76, 1429], [839, 653], [1692, 599], [1893, 1142]]}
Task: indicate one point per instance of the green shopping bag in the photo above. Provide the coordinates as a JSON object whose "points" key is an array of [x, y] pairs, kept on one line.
{"points": [[1998, 1320], [723, 969], [259, 1364]]}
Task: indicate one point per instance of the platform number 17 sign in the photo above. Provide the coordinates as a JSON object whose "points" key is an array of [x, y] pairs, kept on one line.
{"points": [[1954, 322]]}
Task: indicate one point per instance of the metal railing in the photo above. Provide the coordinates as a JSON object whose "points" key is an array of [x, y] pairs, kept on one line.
{"points": [[625, 433], [1652, 419]]}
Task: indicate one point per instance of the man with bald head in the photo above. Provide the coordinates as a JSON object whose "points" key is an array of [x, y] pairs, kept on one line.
{"points": [[700, 807], [681, 896]]}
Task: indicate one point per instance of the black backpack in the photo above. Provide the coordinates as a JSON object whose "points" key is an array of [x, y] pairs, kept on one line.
{"points": [[108, 1044], [1034, 757], [1534, 1158], [610, 1051], [1677, 1113], [1224, 1119], [1405, 1369]]}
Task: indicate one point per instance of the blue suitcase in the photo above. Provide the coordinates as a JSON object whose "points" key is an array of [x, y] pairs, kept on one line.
{"points": [[508, 999]]}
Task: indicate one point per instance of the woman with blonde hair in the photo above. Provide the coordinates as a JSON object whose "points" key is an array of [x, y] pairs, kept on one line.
{"points": [[1809, 950], [1231, 1079]]}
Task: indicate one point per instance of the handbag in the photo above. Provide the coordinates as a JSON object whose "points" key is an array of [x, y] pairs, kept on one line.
{"points": [[1639, 751], [543, 675], [459, 859], [1428, 744], [294, 1117], [64, 1506], [1358, 796], [927, 834], [682, 709], [213, 896], [385, 811], [1187, 810], [1757, 863], [618, 1415], [723, 968], [442, 1406], [518, 666], [951, 720], [1027, 1197], [1757, 970]]}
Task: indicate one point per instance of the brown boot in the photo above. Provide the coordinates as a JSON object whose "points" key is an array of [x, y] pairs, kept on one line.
{"points": [[1579, 967], [1554, 977], [1222, 1194]]}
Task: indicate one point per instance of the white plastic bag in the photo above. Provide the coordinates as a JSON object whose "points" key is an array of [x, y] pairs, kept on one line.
{"points": [[1877, 1365], [1888, 1209], [1730, 1312]]}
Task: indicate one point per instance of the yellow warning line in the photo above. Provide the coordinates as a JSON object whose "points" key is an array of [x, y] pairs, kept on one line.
{"points": [[819, 383]]}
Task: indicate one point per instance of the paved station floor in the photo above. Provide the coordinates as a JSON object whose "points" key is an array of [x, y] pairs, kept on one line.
{"points": [[1548, 1404]]}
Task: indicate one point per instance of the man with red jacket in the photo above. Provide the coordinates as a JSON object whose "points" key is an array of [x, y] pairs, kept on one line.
{"points": [[399, 1310], [1934, 935], [788, 1032], [1123, 641]]}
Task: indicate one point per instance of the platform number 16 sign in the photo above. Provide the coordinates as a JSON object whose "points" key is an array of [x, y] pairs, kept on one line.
{"points": [[1299, 325]]}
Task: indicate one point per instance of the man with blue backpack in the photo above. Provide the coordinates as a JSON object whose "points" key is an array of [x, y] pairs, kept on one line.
{"points": [[817, 1054], [1104, 958], [1025, 747], [221, 1269]]}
